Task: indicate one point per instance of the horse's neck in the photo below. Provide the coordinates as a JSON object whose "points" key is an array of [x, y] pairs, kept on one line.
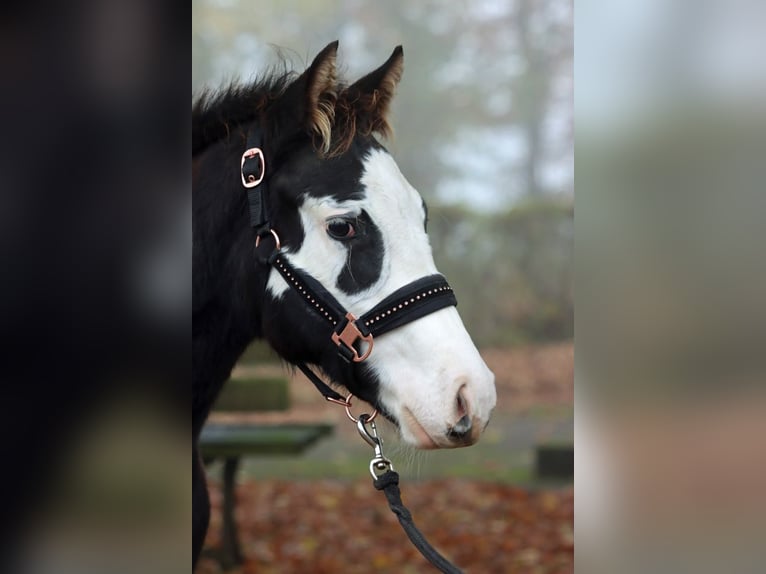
{"points": [[222, 328], [227, 283]]}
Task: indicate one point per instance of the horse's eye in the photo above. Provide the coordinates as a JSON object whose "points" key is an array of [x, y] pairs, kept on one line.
{"points": [[340, 229]]}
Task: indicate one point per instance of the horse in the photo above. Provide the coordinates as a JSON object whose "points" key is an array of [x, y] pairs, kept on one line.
{"points": [[306, 234]]}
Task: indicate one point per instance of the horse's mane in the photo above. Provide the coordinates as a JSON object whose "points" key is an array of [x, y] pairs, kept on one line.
{"points": [[215, 113]]}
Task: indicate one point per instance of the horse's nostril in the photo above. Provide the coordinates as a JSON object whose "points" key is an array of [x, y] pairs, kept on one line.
{"points": [[461, 429], [462, 407]]}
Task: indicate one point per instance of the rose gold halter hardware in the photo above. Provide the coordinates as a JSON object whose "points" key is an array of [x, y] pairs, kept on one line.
{"points": [[251, 180], [343, 402], [277, 242], [348, 404], [349, 335], [379, 465]]}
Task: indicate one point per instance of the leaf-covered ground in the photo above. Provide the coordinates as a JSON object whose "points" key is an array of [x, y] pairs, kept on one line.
{"points": [[339, 527]]}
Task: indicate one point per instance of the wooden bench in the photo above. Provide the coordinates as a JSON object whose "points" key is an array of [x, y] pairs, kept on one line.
{"points": [[230, 441]]}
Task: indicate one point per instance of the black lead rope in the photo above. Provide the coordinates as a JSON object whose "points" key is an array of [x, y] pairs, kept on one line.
{"points": [[389, 484], [385, 478]]}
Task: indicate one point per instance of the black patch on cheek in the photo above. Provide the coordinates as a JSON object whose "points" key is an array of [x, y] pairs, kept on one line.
{"points": [[364, 257]]}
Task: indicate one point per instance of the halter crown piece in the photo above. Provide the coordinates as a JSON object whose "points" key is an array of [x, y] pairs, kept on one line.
{"points": [[347, 332]]}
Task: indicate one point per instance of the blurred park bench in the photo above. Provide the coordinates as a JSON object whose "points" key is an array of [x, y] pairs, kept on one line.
{"points": [[231, 440]]}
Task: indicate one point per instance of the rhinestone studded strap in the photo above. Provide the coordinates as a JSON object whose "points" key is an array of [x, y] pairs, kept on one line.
{"points": [[411, 302], [319, 299]]}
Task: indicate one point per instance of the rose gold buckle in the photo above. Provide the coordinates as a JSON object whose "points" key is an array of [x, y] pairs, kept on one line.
{"points": [[349, 335], [251, 180]]}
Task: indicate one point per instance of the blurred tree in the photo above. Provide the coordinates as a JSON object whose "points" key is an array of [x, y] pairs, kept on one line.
{"points": [[512, 271]]}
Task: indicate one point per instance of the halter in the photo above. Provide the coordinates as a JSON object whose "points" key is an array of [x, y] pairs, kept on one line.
{"points": [[347, 332], [354, 337]]}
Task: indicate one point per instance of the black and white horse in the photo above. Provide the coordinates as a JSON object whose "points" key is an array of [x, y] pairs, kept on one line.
{"points": [[344, 216]]}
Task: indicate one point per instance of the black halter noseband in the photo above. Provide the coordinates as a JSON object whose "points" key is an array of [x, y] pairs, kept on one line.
{"points": [[409, 303]]}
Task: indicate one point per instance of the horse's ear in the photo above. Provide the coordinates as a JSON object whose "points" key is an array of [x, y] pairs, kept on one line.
{"points": [[310, 99], [321, 93], [372, 94]]}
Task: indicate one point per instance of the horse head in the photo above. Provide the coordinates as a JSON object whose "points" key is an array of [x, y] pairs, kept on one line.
{"points": [[347, 217], [335, 211]]}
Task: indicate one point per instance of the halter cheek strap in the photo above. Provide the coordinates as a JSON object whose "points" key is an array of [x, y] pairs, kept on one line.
{"points": [[353, 337], [253, 172]]}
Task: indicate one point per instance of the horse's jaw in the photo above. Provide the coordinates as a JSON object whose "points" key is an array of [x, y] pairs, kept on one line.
{"points": [[433, 383]]}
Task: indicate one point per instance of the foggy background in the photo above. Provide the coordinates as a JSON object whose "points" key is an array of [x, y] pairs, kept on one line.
{"points": [[483, 130]]}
